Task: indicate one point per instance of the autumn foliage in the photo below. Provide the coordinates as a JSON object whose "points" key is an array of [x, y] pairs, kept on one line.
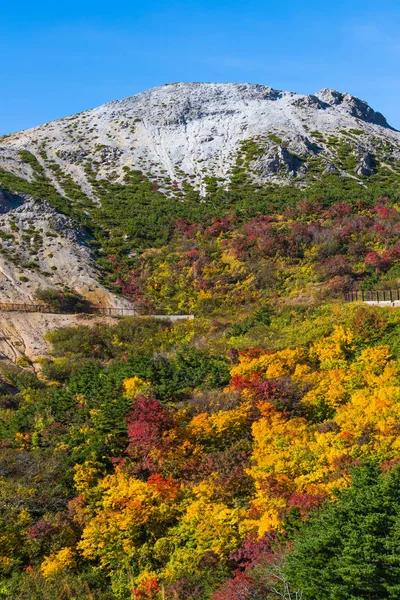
{"points": [[182, 460]]}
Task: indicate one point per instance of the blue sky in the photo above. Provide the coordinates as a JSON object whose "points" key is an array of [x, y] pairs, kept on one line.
{"points": [[59, 58]]}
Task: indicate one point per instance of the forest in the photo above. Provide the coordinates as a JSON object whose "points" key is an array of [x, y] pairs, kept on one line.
{"points": [[250, 453]]}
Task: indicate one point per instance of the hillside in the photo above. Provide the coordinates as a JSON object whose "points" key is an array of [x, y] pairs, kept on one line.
{"points": [[38, 245], [82, 194]]}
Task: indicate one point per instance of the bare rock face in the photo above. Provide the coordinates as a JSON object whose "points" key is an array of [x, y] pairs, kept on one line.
{"points": [[40, 248], [367, 165], [8, 201], [278, 161], [354, 106], [193, 131], [22, 334], [330, 168]]}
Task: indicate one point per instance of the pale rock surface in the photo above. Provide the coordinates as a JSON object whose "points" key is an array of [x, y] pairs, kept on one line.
{"points": [[22, 334], [40, 248], [189, 130]]}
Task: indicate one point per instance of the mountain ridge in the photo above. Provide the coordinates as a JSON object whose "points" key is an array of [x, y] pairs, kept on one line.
{"points": [[325, 95], [188, 132]]}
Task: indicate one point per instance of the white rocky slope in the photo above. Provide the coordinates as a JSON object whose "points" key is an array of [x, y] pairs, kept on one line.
{"points": [[186, 131], [40, 248]]}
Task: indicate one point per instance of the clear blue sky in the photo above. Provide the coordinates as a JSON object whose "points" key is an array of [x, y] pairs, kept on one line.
{"points": [[58, 58]]}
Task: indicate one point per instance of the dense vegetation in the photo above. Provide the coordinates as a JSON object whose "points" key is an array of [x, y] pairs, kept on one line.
{"points": [[62, 301], [135, 215], [153, 456], [249, 454]]}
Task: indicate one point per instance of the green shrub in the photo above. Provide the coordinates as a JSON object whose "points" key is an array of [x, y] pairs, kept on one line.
{"points": [[62, 302], [351, 548]]}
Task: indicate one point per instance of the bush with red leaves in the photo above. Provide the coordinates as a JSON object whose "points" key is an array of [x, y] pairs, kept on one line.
{"points": [[146, 422], [147, 590]]}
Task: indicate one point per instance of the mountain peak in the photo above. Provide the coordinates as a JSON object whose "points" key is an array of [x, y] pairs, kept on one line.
{"points": [[204, 93], [355, 106], [186, 132]]}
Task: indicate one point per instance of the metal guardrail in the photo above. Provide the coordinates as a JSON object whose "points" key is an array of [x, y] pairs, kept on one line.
{"points": [[373, 296], [13, 306], [42, 308], [94, 309], [121, 312]]}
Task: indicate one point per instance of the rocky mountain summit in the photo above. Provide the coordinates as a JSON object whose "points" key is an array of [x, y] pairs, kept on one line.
{"points": [[187, 133]]}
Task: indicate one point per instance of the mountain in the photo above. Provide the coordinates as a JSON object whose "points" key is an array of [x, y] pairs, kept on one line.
{"points": [[188, 132], [83, 196]]}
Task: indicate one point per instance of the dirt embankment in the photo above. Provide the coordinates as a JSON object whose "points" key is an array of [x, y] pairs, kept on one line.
{"points": [[22, 334]]}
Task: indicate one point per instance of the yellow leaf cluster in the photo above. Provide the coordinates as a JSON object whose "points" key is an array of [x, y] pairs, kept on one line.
{"points": [[270, 365], [133, 386], [54, 564]]}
